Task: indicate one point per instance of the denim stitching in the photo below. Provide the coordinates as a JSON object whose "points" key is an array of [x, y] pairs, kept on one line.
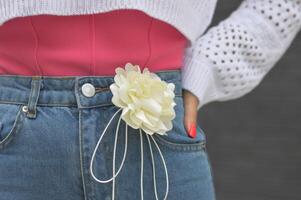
{"points": [[182, 147], [81, 156], [14, 129]]}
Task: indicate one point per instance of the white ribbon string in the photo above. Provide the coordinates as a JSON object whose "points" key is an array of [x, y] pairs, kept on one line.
{"points": [[153, 164], [141, 156], [124, 156]]}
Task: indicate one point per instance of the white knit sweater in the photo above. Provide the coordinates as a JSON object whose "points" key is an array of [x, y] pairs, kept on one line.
{"points": [[225, 62]]}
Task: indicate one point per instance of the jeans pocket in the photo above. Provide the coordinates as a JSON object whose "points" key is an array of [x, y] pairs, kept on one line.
{"points": [[177, 138], [10, 118]]}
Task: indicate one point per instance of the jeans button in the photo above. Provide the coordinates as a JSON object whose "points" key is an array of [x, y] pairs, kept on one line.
{"points": [[88, 90]]}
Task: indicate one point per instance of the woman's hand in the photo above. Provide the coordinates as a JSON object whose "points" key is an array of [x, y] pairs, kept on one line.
{"points": [[190, 112]]}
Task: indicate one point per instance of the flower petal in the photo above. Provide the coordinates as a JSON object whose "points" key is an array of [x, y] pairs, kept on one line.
{"points": [[151, 106]]}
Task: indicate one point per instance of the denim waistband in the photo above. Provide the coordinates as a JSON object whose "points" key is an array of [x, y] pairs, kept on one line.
{"points": [[66, 90]]}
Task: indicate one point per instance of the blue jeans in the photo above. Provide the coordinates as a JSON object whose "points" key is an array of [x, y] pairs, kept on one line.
{"points": [[49, 129]]}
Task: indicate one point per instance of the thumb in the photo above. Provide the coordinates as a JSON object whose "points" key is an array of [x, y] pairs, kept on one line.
{"points": [[190, 112]]}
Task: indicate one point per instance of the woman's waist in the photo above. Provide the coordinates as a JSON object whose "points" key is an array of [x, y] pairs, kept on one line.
{"points": [[78, 91], [88, 44], [63, 67]]}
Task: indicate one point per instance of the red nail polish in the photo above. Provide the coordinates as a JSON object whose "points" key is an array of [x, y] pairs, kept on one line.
{"points": [[192, 130]]}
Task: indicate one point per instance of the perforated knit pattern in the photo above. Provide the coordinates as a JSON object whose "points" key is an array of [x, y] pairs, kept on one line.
{"points": [[234, 56], [283, 14]]}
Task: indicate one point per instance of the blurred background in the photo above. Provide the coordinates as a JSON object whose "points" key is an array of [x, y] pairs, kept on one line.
{"points": [[254, 142]]}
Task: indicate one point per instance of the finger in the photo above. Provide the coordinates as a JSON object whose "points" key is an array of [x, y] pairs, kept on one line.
{"points": [[190, 113]]}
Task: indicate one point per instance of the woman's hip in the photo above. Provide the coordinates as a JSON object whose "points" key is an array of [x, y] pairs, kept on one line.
{"points": [[49, 131]]}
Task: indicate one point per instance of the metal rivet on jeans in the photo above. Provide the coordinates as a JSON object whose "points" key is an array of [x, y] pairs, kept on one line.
{"points": [[25, 109]]}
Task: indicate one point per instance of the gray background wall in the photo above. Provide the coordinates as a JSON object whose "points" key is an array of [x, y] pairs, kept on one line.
{"points": [[254, 142]]}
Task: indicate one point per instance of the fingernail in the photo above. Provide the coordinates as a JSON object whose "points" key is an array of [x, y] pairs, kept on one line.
{"points": [[192, 130]]}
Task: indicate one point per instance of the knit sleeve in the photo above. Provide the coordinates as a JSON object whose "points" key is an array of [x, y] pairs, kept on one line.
{"points": [[231, 59]]}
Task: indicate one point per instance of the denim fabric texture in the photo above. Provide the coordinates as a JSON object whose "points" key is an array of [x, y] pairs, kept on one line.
{"points": [[49, 129]]}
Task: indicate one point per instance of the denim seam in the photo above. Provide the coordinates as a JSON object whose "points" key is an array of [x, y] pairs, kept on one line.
{"points": [[88, 182], [211, 173], [81, 156], [35, 93], [81, 77], [65, 105], [31, 92], [76, 92], [16, 126], [182, 147], [38, 104]]}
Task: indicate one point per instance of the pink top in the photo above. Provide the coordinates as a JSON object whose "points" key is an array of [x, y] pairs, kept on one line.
{"points": [[93, 44]]}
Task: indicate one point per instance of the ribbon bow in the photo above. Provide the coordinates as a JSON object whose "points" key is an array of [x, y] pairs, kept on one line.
{"points": [[147, 103]]}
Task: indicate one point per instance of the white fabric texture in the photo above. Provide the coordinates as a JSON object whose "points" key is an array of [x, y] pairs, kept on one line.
{"points": [[223, 63], [233, 57]]}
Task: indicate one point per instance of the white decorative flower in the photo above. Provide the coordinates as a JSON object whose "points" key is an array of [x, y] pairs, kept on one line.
{"points": [[147, 102]]}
